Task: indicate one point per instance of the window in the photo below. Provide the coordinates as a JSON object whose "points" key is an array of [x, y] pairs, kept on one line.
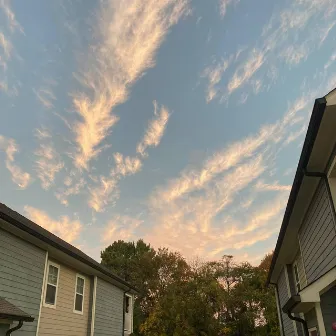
{"points": [[51, 285], [127, 303], [79, 294], [296, 278], [128, 314]]}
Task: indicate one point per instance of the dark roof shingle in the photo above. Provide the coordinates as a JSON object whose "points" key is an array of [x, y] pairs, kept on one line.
{"points": [[11, 312]]}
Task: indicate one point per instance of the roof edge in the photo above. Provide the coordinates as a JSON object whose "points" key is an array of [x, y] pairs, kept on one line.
{"points": [[28, 226], [313, 128]]}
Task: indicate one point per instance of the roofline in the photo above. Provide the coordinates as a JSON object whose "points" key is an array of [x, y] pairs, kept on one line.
{"points": [[46, 236], [314, 125]]}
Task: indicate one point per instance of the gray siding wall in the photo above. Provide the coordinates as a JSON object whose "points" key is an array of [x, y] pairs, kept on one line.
{"points": [[21, 277], [328, 307], [109, 310], [318, 236], [288, 326]]}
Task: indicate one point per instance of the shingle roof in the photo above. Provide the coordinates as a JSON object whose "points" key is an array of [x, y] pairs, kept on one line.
{"points": [[10, 312]]}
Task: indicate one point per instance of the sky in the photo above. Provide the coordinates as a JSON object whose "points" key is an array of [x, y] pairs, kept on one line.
{"points": [[176, 121]]}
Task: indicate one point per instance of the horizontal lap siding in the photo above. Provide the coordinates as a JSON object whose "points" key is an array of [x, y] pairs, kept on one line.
{"points": [[283, 297], [318, 236], [109, 310], [328, 307], [21, 277], [62, 320]]}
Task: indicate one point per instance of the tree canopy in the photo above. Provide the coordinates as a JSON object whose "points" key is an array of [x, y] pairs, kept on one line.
{"points": [[180, 298]]}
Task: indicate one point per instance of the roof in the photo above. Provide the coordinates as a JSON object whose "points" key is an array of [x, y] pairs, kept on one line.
{"points": [[17, 220], [311, 135], [10, 312]]}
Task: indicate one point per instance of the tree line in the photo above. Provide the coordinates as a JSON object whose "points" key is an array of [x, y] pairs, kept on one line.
{"points": [[198, 298]]}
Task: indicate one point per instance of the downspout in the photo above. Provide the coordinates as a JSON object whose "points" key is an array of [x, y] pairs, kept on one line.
{"points": [[9, 331], [300, 320], [278, 307]]}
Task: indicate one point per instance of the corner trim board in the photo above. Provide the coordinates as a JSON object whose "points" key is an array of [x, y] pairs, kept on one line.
{"points": [[42, 292], [93, 309]]}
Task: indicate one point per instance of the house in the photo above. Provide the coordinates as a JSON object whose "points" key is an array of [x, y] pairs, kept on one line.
{"points": [[51, 288], [303, 268]]}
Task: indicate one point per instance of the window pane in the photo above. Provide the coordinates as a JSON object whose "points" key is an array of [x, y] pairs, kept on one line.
{"points": [[80, 286], [52, 275], [79, 302], [50, 295]]}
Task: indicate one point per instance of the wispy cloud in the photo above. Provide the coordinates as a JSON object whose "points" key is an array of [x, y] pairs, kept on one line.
{"points": [[246, 70], [46, 97], [121, 227], [224, 4], [155, 130], [71, 187], [275, 186], [10, 16], [295, 54], [214, 75], [123, 53], [19, 177], [48, 161], [107, 192], [331, 60], [64, 227]]}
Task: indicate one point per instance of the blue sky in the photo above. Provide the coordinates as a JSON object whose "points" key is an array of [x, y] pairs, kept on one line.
{"points": [[176, 121]]}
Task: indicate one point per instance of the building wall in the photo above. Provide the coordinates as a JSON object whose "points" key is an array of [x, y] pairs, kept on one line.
{"points": [[311, 319], [283, 290], [328, 307], [63, 320], [21, 277], [317, 236], [301, 271], [109, 310]]}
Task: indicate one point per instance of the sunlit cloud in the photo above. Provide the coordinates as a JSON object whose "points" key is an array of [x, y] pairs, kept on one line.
{"points": [[121, 227], [64, 227], [214, 75], [10, 16], [125, 165], [46, 97], [295, 54], [122, 54], [275, 186], [155, 130], [48, 163], [72, 187], [19, 177], [246, 70]]}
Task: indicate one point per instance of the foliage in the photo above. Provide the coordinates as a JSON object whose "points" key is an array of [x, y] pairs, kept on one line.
{"points": [[217, 298]]}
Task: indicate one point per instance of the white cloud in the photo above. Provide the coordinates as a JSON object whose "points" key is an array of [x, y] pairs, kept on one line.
{"points": [[245, 71], [19, 177], [155, 130], [295, 54], [331, 60], [129, 34], [121, 227], [224, 4], [72, 187], [48, 163], [125, 165], [11, 20], [275, 186], [214, 75], [46, 97], [64, 227]]}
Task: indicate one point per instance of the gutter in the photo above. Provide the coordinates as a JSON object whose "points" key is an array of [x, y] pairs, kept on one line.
{"points": [[56, 242], [314, 125], [300, 320]]}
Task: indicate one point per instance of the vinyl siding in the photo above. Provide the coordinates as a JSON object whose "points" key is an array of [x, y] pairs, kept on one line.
{"points": [[328, 307], [21, 277], [301, 271], [109, 310], [62, 320], [288, 326], [318, 236]]}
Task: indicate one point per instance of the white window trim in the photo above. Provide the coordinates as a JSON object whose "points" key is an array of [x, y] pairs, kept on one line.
{"points": [[42, 292], [50, 263], [74, 305], [131, 314], [295, 264]]}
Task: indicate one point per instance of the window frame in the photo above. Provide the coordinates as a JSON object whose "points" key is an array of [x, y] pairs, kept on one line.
{"points": [[129, 313], [48, 305], [83, 295], [297, 282]]}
